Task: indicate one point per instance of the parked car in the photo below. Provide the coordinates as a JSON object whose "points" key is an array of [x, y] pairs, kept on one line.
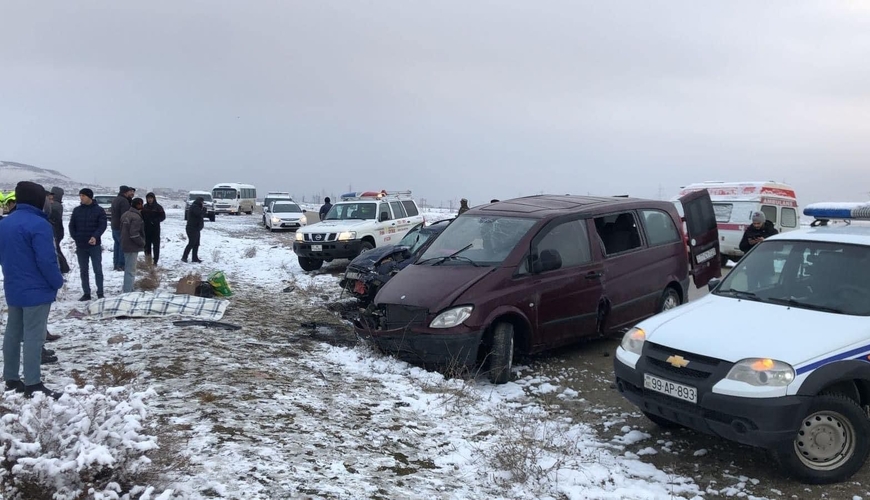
{"points": [[207, 204], [272, 196], [105, 201], [283, 214], [367, 273], [775, 356], [534, 273]]}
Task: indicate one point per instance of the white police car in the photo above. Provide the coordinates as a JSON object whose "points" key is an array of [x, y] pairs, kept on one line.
{"points": [[776, 356]]}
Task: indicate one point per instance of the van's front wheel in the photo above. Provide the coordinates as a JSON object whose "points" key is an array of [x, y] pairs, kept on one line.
{"points": [[310, 264], [502, 354], [670, 299], [832, 443]]}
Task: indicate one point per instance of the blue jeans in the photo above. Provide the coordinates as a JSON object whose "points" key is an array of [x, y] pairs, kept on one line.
{"points": [[131, 258], [94, 254], [28, 325], [117, 253]]}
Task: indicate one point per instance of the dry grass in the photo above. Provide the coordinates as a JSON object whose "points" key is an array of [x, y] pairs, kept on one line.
{"points": [[250, 252], [151, 278]]}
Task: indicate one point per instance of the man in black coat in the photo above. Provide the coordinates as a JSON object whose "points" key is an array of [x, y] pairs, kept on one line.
{"points": [[120, 206], [325, 208], [152, 214], [194, 226], [55, 216], [86, 226], [760, 229]]}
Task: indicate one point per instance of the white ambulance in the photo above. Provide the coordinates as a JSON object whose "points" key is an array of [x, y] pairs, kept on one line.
{"points": [[734, 203], [358, 222]]}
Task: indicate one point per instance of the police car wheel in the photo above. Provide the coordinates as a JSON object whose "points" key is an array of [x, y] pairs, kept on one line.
{"points": [[832, 443]]}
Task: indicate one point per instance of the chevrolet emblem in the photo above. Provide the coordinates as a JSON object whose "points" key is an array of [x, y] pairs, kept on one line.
{"points": [[678, 361]]}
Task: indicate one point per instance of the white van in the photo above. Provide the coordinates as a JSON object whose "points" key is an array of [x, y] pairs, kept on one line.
{"points": [[356, 224], [234, 198], [734, 203]]}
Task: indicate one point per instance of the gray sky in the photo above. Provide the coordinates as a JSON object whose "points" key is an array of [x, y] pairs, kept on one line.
{"points": [[447, 98]]}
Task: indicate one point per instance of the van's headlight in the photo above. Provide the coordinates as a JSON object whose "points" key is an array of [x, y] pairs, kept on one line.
{"points": [[451, 317], [347, 235], [633, 340], [762, 372]]}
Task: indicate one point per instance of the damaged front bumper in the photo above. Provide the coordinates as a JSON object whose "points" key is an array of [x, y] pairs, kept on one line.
{"points": [[426, 346]]}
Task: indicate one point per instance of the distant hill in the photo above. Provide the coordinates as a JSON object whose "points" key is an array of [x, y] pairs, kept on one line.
{"points": [[11, 173]]}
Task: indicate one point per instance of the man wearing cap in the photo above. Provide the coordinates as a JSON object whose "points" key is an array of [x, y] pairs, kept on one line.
{"points": [[120, 206], [463, 206], [31, 279], [86, 225], [760, 229]]}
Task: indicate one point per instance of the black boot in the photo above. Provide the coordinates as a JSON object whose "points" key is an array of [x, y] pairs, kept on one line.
{"points": [[51, 338], [30, 390], [86, 297], [15, 385], [48, 359]]}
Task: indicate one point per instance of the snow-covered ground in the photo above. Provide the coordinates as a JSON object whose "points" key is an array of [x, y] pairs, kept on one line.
{"points": [[293, 405]]}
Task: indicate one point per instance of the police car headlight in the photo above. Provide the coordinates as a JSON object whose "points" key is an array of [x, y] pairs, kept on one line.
{"points": [[633, 340], [347, 235], [762, 372], [451, 317]]}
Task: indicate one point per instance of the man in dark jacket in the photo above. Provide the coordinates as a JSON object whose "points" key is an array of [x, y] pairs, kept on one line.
{"points": [[760, 229], [153, 214], [132, 241], [194, 226], [56, 218], [327, 206], [120, 206], [86, 225], [31, 279]]}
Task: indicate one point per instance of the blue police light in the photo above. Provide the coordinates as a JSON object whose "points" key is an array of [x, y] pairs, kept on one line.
{"points": [[852, 210]]}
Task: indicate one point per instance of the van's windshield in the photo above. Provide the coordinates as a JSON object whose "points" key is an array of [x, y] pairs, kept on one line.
{"points": [[205, 196], [225, 193], [823, 276], [350, 211], [484, 241]]}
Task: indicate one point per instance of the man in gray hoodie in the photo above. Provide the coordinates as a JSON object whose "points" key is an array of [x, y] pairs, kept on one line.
{"points": [[120, 206], [132, 241], [55, 216]]}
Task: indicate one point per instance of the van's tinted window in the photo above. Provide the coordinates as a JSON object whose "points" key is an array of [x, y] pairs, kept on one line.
{"points": [[789, 217], [570, 240], [410, 208], [660, 228], [618, 232], [384, 208], [769, 212]]}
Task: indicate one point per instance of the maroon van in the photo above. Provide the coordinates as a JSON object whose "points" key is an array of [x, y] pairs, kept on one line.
{"points": [[538, 272]]}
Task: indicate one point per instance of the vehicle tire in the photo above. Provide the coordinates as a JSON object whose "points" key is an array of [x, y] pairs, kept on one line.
{"points": [[271, 229], [502, 354], [310, 264], [832, 443], [366, 246], [670, 299], [661, 422], [724, 260], [211, 217]]}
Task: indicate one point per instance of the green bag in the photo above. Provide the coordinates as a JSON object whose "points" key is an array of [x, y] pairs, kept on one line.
{"points": [[218, 282]]}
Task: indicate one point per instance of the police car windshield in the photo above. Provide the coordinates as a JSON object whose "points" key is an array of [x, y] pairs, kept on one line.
{"points": [[824, 276], [352, 211], [483, 241]]}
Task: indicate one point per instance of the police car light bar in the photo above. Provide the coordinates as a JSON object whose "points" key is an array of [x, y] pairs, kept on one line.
{"points": [[852, 210]]}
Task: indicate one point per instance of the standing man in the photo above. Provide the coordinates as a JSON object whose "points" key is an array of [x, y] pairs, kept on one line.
{"points": [[153, 214], [120, 206], [132, 241], [324, 209], [31, 279], [55, 197], [760, 229], [463, 206], [86, 225], [194, 226]]}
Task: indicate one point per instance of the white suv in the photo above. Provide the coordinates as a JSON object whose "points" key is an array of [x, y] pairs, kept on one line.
{"points": [[776, 356], [355, 224], [283, 214]]}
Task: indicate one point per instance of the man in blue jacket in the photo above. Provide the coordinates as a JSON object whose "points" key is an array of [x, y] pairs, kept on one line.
{"points": [[86, 225], [31, 279]]}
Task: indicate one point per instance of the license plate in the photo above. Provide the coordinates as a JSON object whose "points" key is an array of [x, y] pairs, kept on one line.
{"points": [[351, 275], [705, 256], [673, 389], [316, 248]]}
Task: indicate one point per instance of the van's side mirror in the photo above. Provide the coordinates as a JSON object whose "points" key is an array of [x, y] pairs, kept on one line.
{"points": [[384, 217], [713, 283], [548, 260]]}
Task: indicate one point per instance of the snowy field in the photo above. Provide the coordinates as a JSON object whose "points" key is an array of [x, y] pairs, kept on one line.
{"points": [[292, 405]]}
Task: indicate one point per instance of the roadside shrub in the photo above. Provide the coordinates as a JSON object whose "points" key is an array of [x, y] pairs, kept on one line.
{"points": [[250, 252], [90, 444]]}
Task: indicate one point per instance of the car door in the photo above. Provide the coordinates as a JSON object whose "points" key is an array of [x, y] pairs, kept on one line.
{"points": [[703, 237], [386, 226], [567, 295]]}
